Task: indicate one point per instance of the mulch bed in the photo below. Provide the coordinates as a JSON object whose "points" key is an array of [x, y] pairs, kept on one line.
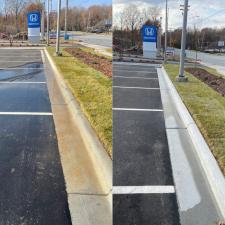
{"points": [[99, 63], [215, 82]]}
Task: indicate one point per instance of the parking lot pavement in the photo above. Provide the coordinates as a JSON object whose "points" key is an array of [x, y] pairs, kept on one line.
{"points": [[143, 186], [32, 187]]}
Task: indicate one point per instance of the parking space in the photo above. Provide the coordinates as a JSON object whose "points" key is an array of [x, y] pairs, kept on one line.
{"points": [[143, 186], [32, 186]]}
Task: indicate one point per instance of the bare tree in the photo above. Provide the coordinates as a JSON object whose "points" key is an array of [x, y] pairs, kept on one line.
{"points": [[132, 18], [16, 7]]}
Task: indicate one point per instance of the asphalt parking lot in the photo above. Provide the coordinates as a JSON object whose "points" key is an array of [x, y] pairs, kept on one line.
{"points": [[143, 187], [32, 186]]}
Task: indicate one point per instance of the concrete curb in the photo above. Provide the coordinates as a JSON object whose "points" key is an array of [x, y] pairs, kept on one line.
{"points": [[211, 169], [97, 154]]}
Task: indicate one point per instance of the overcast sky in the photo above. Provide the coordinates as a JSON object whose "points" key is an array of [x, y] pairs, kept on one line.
{"points": [[205, 13], [83, 3]]}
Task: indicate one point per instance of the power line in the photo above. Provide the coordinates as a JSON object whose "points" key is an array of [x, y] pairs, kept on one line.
{"points": [[208, 17]]}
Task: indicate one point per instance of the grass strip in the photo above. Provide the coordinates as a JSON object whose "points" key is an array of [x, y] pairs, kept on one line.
{"points": [[207, 108], [93, 91]]}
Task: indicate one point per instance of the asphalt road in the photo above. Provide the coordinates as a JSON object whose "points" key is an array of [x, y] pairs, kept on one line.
{"points": [[210, 59], [95, 39], [143, 186], [32, 187]]}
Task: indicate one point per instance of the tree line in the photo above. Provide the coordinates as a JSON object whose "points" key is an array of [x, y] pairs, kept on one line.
{"points": [[13, 16]]}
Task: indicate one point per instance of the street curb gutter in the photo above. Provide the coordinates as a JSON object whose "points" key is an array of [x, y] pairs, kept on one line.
{"points": [[100, 159], [208, 162]]}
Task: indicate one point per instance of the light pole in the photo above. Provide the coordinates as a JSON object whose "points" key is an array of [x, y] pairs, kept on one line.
{"points": [[181, 77], [48, 23], [58, 53], [66, 12], [166, 28]]}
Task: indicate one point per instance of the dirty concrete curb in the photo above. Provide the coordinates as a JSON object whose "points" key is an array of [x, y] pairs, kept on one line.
{"points": [[100, 159], [209, 164]]}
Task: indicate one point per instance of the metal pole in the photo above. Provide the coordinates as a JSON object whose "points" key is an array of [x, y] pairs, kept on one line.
{"points": [[58, 30], [66, 11], [181, 76], [166, 28], [43, 22], [48, 24]]}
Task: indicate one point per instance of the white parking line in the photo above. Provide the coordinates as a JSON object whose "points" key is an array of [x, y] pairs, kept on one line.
{"points": [[143, 189], [22, 82], [140, 88], [134, 109], [134, 71], [20, 68], [27, 113], [143, 78], [20, 56], [26, 61]]}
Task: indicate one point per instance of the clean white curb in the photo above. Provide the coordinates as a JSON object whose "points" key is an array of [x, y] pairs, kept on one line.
{"points": [[208, 162], [100, 159]]}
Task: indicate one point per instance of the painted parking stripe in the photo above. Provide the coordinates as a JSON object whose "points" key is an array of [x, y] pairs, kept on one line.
{"points": [[21, 82], [140, 88], [21, 68], [134, 109], [143, 189], [134, 71], [143, 78], [26, 113]]}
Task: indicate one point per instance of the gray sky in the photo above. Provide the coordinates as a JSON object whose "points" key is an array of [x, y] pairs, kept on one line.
{"points": [[203, 13]]}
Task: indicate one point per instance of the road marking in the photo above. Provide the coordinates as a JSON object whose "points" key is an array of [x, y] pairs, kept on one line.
{"points": [[134, 71], [140, 88], [27, 56], [20, 61], [135, 109], [143, 189], [20, 68], [27, 113], [144, 78], [22, 82]]}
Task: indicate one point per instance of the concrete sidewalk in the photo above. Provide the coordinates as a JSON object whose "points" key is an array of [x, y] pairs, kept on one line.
{"points": [[89, 191], [197, 204]]}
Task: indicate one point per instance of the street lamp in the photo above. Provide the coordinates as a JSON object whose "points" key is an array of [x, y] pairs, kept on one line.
{"points": [[48, 23], [166, 28], [66, 12], [58, 53], [181, 77]]}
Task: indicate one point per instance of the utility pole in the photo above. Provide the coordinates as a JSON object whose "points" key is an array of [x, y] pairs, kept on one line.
{"points": [[159, 39], [181, 76], [48, 23], [43, 22], [58, 53], [66, 12], [166, 28]]}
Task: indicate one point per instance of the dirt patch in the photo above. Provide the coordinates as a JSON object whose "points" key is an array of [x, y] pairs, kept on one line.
{"points": [[215, 82], [99, 63]]}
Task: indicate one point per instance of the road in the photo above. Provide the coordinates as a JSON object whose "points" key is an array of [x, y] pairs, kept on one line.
{"points": [[143, 186], [32, 186], [95, 39], [206, 58]]}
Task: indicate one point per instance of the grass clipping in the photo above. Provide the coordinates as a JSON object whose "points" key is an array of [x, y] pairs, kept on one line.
{"points": [[207, 108], [93, 91]]}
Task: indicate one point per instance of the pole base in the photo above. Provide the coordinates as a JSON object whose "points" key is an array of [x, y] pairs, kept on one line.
{"points": [[58, 54], [181, 79]]}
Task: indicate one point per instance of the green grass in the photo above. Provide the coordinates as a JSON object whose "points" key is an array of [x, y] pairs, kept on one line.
{"points": [[92, 90], [207, 108]]}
